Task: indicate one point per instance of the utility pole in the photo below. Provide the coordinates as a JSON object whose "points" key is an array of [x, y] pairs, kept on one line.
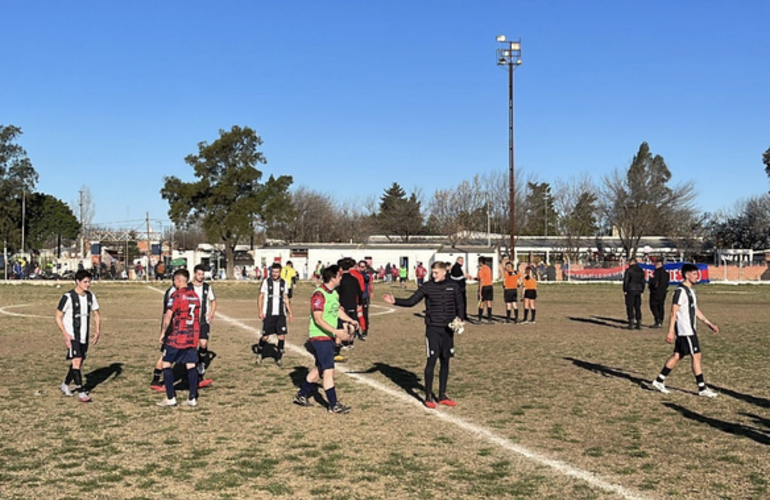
{"points": [[23, 213], [149, 249], [489, 226], [82, 228], [128, 232]]}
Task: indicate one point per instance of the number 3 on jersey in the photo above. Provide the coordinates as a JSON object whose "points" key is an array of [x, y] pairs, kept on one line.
{"points": [[191, 312]]}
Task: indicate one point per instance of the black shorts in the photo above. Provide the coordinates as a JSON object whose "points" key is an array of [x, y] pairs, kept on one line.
{"points": [[511, 295], [352, 314], [530, 294], [290, 292], [685, 346], [77, 350], [274, 325], [204, 331], [487, 293], [439, 342]]}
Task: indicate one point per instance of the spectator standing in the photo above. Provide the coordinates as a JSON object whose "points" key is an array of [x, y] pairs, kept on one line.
{"points": [[633, 287]]}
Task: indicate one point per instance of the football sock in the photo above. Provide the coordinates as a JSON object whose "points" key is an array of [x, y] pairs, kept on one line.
{"points": [[261, 344], [516, 314], [701, 382], [534, 311], [78, 379], [306, 388], [192, 378], [663, 374], [507, 314], [443, 377], [526, 313], [203, 355], [489, 313], [281, 345], [156, 373], [331, 396], [68, 378], [168, 381], [481, 313], [430, 366]]}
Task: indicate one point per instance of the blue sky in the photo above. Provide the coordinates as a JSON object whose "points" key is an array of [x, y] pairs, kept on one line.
{"points": [[352, 96]]}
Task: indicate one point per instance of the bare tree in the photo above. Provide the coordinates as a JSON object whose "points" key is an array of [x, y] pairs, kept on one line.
{"points": [[84, 208], [575, 202]]}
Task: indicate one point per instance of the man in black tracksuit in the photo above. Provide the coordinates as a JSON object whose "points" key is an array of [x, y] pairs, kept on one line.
{"points": [[458, 275], [658, 290], [633, 286], [443, 303]]}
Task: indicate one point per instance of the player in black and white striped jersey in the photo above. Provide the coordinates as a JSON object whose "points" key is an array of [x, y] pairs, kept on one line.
{"points": [[682, 332], [73, 317], [206, 314], [273, 304]]}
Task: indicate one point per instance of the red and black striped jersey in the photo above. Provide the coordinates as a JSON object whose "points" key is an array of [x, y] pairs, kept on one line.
{"points": [[186, 330]]}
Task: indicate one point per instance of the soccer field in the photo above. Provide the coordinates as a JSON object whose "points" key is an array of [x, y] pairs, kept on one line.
{"points": [[553, 410]]}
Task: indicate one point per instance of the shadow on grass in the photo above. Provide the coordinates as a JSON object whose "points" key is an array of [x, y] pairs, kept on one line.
{"points": [[607, 371], [601, 321], [298, 376], [408, 381], [757, 419], [761, 402], [100, 375], [728, 427]]}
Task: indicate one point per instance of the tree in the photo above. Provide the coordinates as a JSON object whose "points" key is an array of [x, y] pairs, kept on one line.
{"points": [[575, 202], [458, 212], [399, 216], [228, 199], [541, 215], [746, 227], [641, 202], [766, 161], [49, 220], [17, 176]]}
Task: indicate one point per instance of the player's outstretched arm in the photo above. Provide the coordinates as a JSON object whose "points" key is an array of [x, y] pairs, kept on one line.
{"points": [[411, 301], [714, 328]]}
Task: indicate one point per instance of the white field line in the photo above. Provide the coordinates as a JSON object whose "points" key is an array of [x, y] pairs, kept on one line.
{"points": [[490, 436], [5, 311]]}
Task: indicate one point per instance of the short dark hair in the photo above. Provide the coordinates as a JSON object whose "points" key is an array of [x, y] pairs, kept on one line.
{"points": [[199, 267], [83, 274], [288, 263], [330, 272], [346, 263], [276, 265], [688, 268], [632, 260], [438, 265], [182, 272]]}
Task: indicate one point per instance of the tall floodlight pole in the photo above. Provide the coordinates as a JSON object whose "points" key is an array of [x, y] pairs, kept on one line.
{"points": [[510, 55]]}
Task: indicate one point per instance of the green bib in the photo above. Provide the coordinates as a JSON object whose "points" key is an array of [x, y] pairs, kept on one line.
{"points": [[330, 314]]}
